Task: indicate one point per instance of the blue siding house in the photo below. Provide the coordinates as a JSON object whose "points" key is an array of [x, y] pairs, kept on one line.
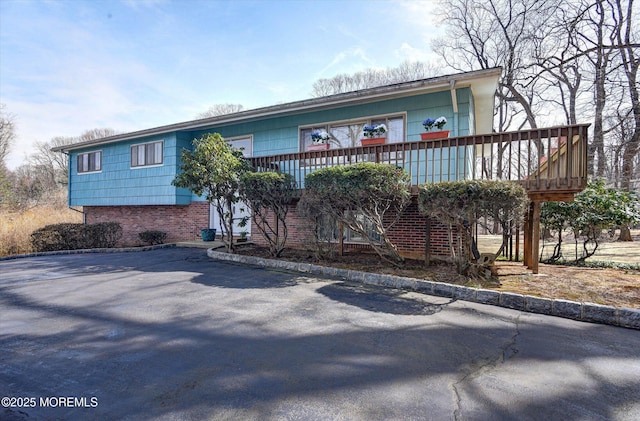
{"points": [[127, 177]]}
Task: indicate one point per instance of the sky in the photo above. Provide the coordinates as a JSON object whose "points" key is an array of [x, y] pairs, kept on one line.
{"points": [[73, 65]]}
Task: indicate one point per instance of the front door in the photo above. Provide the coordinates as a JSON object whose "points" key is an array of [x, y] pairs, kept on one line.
{"points": [[240, 209]]}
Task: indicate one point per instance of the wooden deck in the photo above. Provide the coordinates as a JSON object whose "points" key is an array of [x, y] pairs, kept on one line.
{"points": [[550, 163]]}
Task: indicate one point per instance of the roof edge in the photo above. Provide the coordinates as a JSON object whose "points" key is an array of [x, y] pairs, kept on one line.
{"points": [[345, 98]]}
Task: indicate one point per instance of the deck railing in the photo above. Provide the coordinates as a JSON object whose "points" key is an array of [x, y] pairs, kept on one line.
{"points": [[545, 161]]}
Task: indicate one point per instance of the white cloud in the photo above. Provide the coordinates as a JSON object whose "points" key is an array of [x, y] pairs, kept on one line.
{"points": [[347, 61], [71, 66], [408, 52], [420, 13]]}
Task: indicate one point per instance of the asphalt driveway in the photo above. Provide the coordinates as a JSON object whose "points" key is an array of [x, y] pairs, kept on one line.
{"points": [[170, 334]]}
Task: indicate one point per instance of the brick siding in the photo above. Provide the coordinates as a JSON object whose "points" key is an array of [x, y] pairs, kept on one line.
{"points": [[181, 223], [408, 234]]}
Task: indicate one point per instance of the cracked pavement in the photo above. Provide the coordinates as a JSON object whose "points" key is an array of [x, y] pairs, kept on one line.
{"points": [[169, 334]]}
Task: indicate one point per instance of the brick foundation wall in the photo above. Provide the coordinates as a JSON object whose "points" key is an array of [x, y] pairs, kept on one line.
{"points": [[408, 234], [180, 222], [299, 231]]}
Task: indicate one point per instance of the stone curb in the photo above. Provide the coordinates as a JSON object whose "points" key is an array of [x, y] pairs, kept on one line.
{"points": [[586, 312], [87, 251]]}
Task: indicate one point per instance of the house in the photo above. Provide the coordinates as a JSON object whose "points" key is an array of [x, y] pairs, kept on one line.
{"points": [[127, 177]]}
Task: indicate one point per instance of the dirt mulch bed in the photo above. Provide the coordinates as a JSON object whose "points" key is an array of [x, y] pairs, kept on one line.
{"points": [[614, 287]]}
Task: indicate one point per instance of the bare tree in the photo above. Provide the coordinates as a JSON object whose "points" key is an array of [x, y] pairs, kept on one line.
{"points": [[562, 67], [622, 127], [7, 133], [93, 134], [55, 165], [43, 179], [626, 37], [221, 109], [594, 30], [579, 58], [370, 78], [483, 34], [630, 56], [32, 186]]}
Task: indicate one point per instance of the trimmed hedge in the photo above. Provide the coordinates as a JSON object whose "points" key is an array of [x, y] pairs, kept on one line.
{"points": [[462, 203], [76, 236], [152, 237], [366, 197], [268, 194]]}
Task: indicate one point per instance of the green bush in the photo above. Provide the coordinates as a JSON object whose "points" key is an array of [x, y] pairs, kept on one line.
{"points": [[269, 194], [76, 236], [460, 204], [152, 237], [594, 209], [366, 197]]}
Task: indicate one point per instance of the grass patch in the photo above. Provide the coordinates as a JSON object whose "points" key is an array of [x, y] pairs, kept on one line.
{"points": [[16, 227], [599, 264]]}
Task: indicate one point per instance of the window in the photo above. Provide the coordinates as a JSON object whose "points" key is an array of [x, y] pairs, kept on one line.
{"points": [[329, 230], [146, 154], [349, 134], [90, 162], [244, 143]]}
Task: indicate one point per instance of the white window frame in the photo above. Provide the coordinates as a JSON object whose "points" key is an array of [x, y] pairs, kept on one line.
{"points": [[331, 233], [137, 148], [249, 137], [360, 120], [88, 155]]}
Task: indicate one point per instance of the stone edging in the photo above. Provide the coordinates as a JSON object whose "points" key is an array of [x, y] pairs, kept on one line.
{"points": [[586, 312], [86, 251]]}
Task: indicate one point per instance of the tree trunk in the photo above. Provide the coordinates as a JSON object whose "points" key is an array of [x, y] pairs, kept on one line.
{"points": [[229, 224], [631, 64], [625, 233], [596, 149]]}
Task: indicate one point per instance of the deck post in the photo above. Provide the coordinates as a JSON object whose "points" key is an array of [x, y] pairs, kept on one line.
{"points": [[427, 242], [526, 258], [535, 238]]}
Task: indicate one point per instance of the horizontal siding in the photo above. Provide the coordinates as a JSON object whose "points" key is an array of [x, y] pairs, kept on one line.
{"points": [[118, 184], [183, 141], [281, 135]]}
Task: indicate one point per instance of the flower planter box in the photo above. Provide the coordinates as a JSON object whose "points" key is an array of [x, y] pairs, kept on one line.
{"points": [[318, 147], [442, 134], [371, 141]]}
